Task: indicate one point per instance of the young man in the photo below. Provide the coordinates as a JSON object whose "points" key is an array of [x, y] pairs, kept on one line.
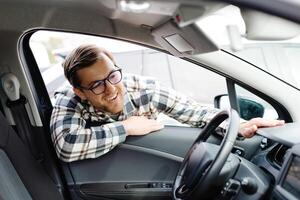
{"points": [[103, 107]]}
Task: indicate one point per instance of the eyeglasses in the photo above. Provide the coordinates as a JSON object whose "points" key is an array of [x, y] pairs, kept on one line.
{"points": [[99, 86]]}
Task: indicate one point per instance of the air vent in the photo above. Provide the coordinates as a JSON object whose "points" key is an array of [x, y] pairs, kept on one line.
{"points": [[276, 155]]}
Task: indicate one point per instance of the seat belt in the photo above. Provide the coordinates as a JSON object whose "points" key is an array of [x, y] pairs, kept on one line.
{"points": [[16, 103]]}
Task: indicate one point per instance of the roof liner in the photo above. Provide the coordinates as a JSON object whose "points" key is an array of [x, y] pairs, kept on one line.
{"points": [[268, 26]]}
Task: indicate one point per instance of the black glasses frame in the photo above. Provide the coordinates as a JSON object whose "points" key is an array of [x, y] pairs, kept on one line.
{"points": [[104, 81]]}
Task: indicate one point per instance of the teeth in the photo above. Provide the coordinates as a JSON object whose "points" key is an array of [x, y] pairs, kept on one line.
{"points": [[113, 97]]}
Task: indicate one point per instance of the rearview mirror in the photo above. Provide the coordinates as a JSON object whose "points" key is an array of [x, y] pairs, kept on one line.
{"points": [[248, 108]]}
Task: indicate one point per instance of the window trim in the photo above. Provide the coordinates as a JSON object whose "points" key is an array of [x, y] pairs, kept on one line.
{"points": [[43, 101], [280, 109]]}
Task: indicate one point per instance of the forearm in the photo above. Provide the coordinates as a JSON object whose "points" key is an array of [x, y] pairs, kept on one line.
{"points": [[79, 143], [184, 109]]}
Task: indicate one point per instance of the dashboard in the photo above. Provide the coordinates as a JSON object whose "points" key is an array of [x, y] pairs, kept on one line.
{"points": [[288, 182], [256, 174], [287, 170]]}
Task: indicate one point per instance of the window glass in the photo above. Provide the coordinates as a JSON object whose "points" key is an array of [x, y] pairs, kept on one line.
{"points": [[50, 49], [281, 58], [253, 106]]}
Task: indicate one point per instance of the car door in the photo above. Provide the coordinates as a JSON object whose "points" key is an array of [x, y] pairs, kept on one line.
{"points": [[142, 167]]}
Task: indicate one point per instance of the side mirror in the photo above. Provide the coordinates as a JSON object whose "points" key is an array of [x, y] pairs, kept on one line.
{"points": [[248, 108]]}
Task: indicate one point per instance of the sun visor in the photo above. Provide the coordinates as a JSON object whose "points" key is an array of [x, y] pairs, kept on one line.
{"points": [[185, 41], [261, 26]]}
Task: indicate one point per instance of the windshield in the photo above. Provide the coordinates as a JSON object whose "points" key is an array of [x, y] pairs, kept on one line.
{"points": [[281, 58]]}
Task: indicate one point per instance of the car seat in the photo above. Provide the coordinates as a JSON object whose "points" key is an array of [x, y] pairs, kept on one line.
{"points": [[21, 176]]}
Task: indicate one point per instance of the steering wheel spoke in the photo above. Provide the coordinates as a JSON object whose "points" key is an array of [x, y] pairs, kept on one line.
{"points": [[203, 163]]}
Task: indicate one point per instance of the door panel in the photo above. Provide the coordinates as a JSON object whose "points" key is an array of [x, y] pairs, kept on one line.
{"points": [[172, 139], [142, 168]]}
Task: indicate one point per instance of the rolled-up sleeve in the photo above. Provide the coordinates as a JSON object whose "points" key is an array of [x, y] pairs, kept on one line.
{"points": [[184, 109]]}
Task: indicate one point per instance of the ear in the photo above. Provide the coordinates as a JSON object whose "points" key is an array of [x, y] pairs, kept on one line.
{"points": [[79, 93]]}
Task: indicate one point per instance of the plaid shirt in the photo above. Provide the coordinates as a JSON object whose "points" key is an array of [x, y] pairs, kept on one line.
{"points": [[79, 131]]}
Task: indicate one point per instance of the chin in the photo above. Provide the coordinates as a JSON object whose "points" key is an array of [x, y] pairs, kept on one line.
{"points": [[115, 110]]}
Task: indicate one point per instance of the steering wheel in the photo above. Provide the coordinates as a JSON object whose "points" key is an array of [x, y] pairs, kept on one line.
{"points": [[201, 166]]}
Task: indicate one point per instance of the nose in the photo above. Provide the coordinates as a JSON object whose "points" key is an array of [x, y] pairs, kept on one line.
{"points": [[109, 87]]}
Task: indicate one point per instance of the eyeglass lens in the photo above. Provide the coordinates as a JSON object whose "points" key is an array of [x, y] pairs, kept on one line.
{"points": [[114, 78]]}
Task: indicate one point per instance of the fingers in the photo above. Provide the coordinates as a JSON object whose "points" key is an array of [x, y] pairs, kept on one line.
{"points": [[249, 131], [260, 122], [157, 127], [280, 122], [153, 125], [249, 128], [140, 125]]}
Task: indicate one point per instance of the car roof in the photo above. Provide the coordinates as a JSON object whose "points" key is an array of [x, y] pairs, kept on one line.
{"points": [[109, 18]]}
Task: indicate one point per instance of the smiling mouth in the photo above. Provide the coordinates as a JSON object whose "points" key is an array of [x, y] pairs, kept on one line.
{"points": [[112, 98]]}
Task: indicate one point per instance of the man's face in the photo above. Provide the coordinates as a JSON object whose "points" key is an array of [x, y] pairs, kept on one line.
{"points": [[111, 100]]}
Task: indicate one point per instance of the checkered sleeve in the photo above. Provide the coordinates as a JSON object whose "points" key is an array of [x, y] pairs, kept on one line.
{"points": [[183, 108], [72, 140]]}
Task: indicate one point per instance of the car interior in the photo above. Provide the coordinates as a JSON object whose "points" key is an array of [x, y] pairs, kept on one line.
{"points": [[177, 162]]}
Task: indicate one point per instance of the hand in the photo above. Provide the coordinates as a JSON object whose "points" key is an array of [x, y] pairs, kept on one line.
{"points": [[249, 128], [140, 125]]}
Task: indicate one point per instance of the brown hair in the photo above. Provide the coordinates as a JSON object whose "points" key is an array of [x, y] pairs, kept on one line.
{"points": [[81, 57]]}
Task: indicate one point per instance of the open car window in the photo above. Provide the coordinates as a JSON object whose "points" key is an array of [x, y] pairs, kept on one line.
{"points": [[50, 49]]}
